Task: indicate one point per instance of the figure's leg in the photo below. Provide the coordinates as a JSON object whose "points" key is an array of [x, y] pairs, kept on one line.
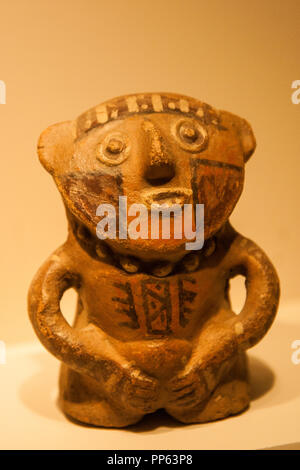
{"points": [[230, 397], [81, 399]]}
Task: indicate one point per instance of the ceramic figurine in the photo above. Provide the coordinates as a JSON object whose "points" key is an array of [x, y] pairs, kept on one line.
{"points": [[154, 327]]}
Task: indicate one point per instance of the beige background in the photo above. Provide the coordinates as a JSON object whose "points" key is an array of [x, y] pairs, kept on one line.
{"points": [[58, 58]]}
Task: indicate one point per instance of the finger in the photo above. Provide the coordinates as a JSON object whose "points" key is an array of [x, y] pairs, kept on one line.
{"points": [[183, 391], [136, 389], [142, 381], [184, 396], [190, 400], [181, 384]]}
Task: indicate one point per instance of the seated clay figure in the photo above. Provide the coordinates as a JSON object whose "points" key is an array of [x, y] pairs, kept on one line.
{"points": [[154, 327]]}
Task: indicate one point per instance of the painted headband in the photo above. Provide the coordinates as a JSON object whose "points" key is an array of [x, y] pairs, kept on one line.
{"points": [[145, 103]]}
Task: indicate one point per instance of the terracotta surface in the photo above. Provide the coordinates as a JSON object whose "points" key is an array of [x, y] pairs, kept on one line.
{"points": [[154, 327]]}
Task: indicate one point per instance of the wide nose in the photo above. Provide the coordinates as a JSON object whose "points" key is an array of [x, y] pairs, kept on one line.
{"points": [[160, 167]]}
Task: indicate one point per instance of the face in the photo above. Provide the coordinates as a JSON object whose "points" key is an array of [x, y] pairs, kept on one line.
{"points": [[155, 158]]}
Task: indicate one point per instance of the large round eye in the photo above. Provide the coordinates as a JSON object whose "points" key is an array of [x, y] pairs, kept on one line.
{"points": [[114, 149], [190, 135]]}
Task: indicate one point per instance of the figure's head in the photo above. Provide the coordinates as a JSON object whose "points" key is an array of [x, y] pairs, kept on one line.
{"points": [[160, 148]]}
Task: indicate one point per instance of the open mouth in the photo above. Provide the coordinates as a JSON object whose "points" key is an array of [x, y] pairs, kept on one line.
{"points": [[167, 196]]}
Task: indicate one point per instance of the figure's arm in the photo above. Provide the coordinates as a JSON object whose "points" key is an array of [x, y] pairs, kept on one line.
{"points": [[84, 350], [87, 350], [224, 339], [263, 291], [220, 341]]}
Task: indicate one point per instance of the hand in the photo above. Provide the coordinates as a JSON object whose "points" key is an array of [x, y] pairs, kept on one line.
{"points": [[127, 384], [139, 390], [121, 380], [211, 359], [188, 388]]}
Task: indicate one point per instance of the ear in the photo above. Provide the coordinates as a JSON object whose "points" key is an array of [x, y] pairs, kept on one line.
{"points": [[243, 130], [55, 145]]}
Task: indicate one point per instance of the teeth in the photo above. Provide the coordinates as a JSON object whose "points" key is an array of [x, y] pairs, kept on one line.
{"points": [[168, 197], [169, 202]]}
